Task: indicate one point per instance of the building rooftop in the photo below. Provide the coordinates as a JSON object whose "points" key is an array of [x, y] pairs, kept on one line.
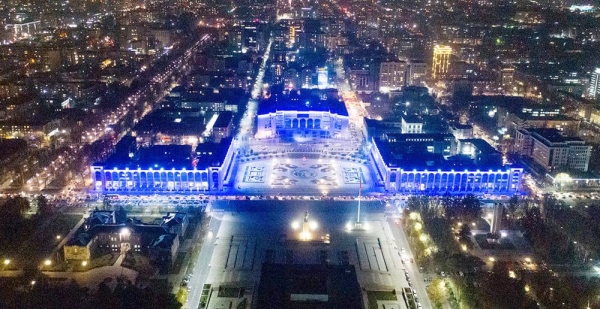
{"points": [[164, 241], [158, 156], [412, 119], [99, 217], [552, 135], [212, 154], [527, 116], [481, 145], [174, 218], [146, 231], [418, 137], [303, 100], [171, 157], [459, 126], [173, 121], [302, 286], [396, 155], [223, 120]]}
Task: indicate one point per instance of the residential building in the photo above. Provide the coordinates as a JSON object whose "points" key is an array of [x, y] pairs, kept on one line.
{"points": [[552, 150], [441, 61], [392, 75], [594, 91]]}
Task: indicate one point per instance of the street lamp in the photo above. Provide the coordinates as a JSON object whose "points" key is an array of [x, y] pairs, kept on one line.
{"points": [[47, 262]]}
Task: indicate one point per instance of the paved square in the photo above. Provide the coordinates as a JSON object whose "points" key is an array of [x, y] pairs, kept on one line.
{"points": [[254, 174], [248, 233], [303, 176]]}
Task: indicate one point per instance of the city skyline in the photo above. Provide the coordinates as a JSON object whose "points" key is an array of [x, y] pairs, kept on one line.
{"points": [[299, 154]]}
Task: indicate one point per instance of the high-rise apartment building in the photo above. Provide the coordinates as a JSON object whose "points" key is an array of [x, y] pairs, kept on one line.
{"points": [[392, 75], [595, 84], [417, 73], [441, 60]]}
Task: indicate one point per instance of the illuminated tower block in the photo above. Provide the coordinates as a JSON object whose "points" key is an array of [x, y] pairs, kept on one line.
{"points": [[441, 60], [595, 84]]}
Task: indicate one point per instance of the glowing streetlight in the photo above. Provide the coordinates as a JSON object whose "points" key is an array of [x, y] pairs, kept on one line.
{"points": [[125, 232], [6, 262], [295, 225], [47, 262], [84, 263]]}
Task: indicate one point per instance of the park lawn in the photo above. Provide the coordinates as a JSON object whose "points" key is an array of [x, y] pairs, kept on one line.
{"points": [[139, 263], [41, 243]]}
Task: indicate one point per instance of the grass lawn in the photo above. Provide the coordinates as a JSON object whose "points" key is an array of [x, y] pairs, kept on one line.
{"points": [[104, 260], [374, 296], [178, 263], [41, 244], [139, 263]]}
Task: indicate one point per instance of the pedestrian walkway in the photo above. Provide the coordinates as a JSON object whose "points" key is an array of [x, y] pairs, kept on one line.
{"points": [[120, 259]]}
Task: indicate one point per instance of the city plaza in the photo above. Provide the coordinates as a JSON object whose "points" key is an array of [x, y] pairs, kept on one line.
{"points": [[291, 157]]}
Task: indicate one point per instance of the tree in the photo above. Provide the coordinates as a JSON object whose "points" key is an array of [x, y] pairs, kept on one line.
{"points": [[15, 207], [49, 295], [437, 292], [513, 204], [43, 207], [470, 209], [464, 234], [121, 215], [498, 290]]}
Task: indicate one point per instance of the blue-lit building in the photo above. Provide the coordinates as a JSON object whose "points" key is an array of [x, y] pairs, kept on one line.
{"points": [[166, 168], [304, 113], [432, 173]]}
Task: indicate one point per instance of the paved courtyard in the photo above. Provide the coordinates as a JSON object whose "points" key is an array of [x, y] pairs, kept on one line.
{"points": [[246, 234], [302, 175]]}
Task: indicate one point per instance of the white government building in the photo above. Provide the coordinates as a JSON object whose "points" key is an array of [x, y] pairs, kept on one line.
{"points": [[304, 113]]}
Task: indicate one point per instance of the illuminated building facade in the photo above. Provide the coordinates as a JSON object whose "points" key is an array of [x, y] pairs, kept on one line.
{"points": [[552, 150], [441, 60], [392, 75], [166, 168], [595, 84], [432, 174], [305, 113]]}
